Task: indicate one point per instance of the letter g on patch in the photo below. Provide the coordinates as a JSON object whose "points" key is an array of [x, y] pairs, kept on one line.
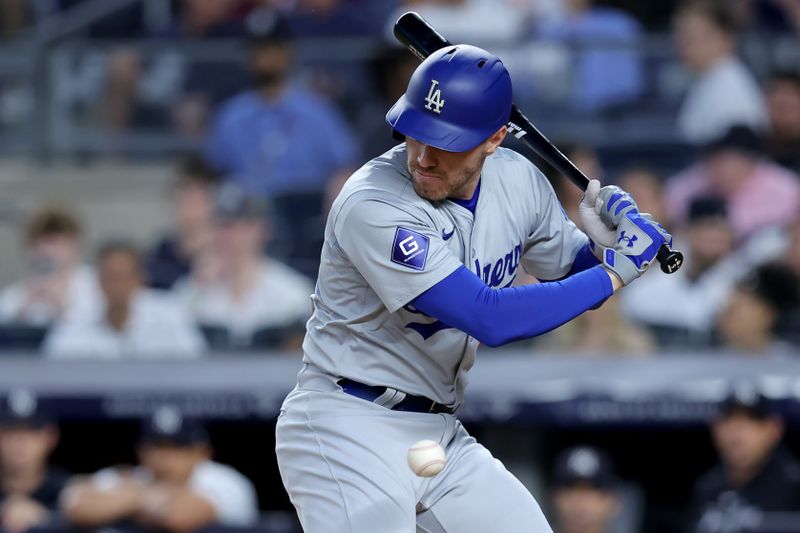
{"points": [[410, 248]]}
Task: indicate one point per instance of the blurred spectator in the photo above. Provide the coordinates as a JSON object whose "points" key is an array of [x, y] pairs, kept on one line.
{"points": [[790, 323], [339, 18], [570, 196], [792, 255], [192, 207], [136, 90], [783, 105], [14, 17], [752, 317], [766, 15], [237, 287], [754, 477], [57, 285], [279, 138], [480, 22], [29, 488], [647, 189], [201, 19], [175, 488], [601, 331], [724, 92], [604, 44], [758, 192], [207, 81], [682, 307], [585, 496], [283, 142], [135, 322], [391, 69]]}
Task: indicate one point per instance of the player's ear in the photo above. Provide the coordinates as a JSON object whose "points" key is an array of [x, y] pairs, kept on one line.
{"points": [[493, 142]]}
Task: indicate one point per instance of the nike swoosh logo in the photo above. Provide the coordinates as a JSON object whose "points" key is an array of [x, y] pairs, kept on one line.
{"points": [[446, 236]]}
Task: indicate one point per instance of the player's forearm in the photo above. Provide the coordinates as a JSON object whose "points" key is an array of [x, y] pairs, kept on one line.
{"points": [[87, 506], [499, 316], [177, 510]]}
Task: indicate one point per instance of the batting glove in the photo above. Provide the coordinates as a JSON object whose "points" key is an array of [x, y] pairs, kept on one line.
{"points": [[595, 228], [638, 240], [613, 204]]}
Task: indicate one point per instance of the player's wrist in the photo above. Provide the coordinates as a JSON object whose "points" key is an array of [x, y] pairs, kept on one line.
{"points": [[616, 281]]}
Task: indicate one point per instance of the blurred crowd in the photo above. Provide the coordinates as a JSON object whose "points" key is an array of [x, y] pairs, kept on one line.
{"points": [[236, 271], [276, 134]]}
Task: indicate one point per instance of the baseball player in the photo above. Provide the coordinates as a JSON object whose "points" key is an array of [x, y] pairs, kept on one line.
{"points": [[421, 248]]}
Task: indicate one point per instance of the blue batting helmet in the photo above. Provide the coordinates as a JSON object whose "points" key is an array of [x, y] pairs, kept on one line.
{"points": [[456, 99]]}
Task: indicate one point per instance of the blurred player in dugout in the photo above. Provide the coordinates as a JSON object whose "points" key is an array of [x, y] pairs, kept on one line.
{"points": [[585, 498], [755, 477], [176, 487], [29, 488]]}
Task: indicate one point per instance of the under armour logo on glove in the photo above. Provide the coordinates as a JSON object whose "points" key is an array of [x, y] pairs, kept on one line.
{"points": [[625, 238]]}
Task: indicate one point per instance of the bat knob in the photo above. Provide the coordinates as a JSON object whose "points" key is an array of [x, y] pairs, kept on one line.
{"points": [[671, 260]]}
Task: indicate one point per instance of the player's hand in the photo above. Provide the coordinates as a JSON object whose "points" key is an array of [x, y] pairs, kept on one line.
{"points": [[612, 205], [20, 513], [595, 228], [638, 240]]}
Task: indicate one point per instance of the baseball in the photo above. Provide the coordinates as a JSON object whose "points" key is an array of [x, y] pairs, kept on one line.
{"points": [[426, 458]]}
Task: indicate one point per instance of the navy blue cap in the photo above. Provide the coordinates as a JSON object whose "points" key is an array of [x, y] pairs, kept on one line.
{"points": [[706, 207], [739, 138], [584, 465], [168, 425], [746, 397], [21, 407]]}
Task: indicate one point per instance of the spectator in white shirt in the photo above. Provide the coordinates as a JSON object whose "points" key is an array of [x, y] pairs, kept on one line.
{"points": [[135, 321], [724, 92], [57, 284], [176, 488], [240, 289]]}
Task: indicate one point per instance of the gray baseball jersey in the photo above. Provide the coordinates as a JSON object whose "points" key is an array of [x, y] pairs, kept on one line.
{"points": [[385, 245]]}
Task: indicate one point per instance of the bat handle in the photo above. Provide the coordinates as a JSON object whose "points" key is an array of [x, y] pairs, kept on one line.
{"points": [[671, 260]]}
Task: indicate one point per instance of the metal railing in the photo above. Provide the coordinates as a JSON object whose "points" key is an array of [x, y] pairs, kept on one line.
{"points": [[44, 114]]}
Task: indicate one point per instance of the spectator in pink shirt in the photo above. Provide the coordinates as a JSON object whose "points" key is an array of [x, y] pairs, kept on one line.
{"points": [[759, 193]]}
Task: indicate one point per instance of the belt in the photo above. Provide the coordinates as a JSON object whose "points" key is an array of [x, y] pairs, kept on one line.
{"points": [[393, 399]]}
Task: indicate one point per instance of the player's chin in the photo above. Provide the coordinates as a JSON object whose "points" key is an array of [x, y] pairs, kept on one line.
{"points": [[430, 193], [430, 189]]}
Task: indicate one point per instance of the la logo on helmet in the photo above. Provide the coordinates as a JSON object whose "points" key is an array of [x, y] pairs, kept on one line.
{"points": [[434, 101]]}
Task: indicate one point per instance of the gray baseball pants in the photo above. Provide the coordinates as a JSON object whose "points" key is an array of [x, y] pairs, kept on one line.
{"points": [[343, 461]]}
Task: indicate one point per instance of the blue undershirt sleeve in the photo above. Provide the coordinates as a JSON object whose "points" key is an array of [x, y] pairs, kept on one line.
{"points": [[499, 316], [584, 260]]}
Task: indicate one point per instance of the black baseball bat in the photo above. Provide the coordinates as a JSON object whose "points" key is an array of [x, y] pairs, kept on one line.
{"points": [[419, 37]]}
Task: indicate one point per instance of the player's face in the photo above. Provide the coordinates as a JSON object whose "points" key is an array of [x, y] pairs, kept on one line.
{"points": [[746, 321], [584, 509], [438, 174], [193, 205], [120, 278], [698, 40], [26, 449], [239, 238], [745, 442]]}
